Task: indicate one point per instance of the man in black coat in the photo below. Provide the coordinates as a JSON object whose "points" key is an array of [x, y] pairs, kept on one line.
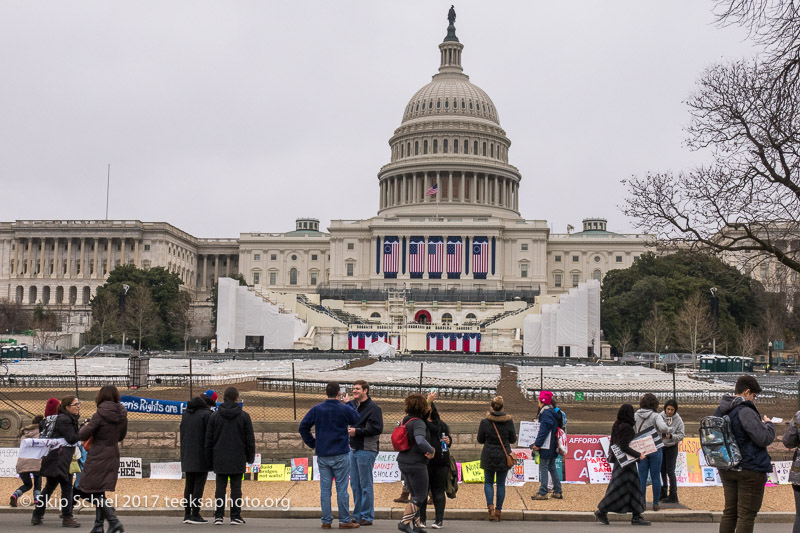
{"points": [[230, 445], [194, 423]]}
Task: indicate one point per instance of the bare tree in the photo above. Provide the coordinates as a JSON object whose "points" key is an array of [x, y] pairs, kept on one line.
{"points": [[105, 315], [181, 316], [655, 330], [141, 313], [694, 324], [12, 317], [47, 330], [750, 341], [624, 340]]}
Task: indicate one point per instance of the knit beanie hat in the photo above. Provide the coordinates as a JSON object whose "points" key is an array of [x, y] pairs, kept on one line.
{"points": [[546, 397], [211, 394], [52, 407]]}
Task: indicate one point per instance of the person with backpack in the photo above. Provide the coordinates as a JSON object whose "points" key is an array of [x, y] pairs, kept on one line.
{"points": [[331, 420], [438, 467], [743, 483], [413, 458], [647, 417], [229, 445], [28, 468], [55, 465], [551, 419], [791, 439], [194, 423], [496, 432], [623, 494], [671, 439]]}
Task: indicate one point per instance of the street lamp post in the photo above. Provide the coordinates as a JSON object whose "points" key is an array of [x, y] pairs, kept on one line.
{"points": [[769, 359], [715, 318]]}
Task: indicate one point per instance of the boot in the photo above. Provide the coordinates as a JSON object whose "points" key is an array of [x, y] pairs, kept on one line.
{"points": [[497, 513], [404, 497], [601, 516], [638, 520], [664, 498], [69, 522], [673, 495], [114, 525], [98, 521], [490, 508]]}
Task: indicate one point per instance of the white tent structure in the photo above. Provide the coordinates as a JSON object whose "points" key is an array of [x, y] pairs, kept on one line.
{"points": [[567, 328], [381, 349], [242, 313]]}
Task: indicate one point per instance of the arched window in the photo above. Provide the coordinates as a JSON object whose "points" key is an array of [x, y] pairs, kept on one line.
{"points": [[20, 294], [293, 276], [32, 294], [492, 150], [455, 146], [87, 295], [466, 146], [444, 146], [425, 146], [598, 275], [375, 315], [423, 106], [402, 153], [416, 147], [435, 146], [471, 317], [408, 148], [447, 104], [447, 318], [475, 148], [462, 104], [438, 104], [484, 149]]}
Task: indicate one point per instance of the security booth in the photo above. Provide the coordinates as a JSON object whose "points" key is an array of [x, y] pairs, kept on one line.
{"points": [[138, 371]]}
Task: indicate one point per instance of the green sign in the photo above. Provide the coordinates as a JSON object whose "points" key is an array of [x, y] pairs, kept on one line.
{"points": [[8, 341], [579, 396]]}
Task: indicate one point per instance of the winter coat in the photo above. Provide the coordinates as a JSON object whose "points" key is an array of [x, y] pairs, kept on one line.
{"points": [[676, 430], [329, 420], [369, 426], [27, 465], [752, 435], [550, 419], [56, 463], [194, 423], [622, 434], [230, 442], [435, 429], [419, 438], [791, 439], [107, 428], [492, 456]]}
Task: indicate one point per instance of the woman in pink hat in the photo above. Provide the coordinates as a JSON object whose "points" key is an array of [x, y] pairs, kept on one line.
{"points": [[550, 420]]}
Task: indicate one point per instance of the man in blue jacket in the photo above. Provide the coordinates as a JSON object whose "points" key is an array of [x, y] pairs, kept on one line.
{"points": [[331, 419], [364, 440], [550, 419]]}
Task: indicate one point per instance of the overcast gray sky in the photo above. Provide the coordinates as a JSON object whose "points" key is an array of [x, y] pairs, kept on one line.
{"points": [[237, 116]]}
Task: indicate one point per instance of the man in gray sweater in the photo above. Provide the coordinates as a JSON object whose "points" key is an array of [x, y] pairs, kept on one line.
{"points": [[744, 485]]}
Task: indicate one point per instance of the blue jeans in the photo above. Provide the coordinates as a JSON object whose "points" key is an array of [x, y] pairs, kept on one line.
{"points": [[361, 462], [651, 465], [547, 469], [488, 489], [330, 468]]}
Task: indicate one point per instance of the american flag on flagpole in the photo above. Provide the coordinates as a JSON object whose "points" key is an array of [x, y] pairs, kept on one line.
{"points": [[391, 257], [433, 190], [480, 257], [416, 256], [435, 257], [453, 257]]}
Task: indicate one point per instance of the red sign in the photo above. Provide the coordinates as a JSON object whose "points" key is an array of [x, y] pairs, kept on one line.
{"points": [[579, 447]]}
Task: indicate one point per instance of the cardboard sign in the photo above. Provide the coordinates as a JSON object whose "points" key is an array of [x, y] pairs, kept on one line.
{"points": [[272, 472], [255, 466], [692, 475], [516, 474], [8, 462], [531, 471], [472, 472], [711, 477], [527, 434], [299, 470], [644, 444], [314, 469], [130, 467], [780, 472], [386, 469], [134, 404], [581, 448], [599, 470], [170, 470]]}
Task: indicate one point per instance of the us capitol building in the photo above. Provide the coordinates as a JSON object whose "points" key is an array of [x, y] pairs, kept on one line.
{"points": [[447, 247]]}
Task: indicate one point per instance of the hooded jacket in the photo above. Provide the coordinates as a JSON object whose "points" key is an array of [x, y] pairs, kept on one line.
{"points": [[622, 433], [108, 427], [550, 419], [369, 426], [492, 456], [752, 435], [647, 418], [230, 442], [194, 423], [27, 465], [56, 463], [791, 439], [676, 430]]}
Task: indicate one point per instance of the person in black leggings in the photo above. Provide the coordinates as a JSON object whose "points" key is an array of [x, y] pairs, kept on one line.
{"points": [[438, 467], [194, 422], [413, 462]]}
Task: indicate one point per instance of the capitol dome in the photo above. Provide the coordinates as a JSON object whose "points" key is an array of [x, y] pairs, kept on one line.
{"points": [[450, 154]]}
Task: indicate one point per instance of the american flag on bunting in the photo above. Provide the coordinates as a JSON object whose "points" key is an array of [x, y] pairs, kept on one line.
{"points": [[454, 342], [454, 257], [435, 257], [480, 257], [416, 256], [391, 257]]}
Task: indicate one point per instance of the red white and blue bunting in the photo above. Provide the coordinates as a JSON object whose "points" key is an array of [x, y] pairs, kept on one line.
{"points": [[360, 340], [454, 342]]}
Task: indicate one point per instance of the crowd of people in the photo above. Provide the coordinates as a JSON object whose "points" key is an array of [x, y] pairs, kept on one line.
{"points": [[345, 432]]}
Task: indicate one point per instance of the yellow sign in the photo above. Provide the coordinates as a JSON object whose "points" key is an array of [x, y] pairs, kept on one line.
{"points": [[272, 472], [691, 447], [472, 472]]}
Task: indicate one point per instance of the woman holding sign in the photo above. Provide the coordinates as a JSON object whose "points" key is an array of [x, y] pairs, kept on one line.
{"points": [[623, 494], [496, 433], [647, 418]]}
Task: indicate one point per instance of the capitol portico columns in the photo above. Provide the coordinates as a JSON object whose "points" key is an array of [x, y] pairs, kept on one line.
{"points": [[205, 271], [108, 257], [95, 265], [136, 253], [69, 258]]}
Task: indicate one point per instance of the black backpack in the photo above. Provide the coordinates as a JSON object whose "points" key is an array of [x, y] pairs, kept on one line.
{"points": [[719, 443]]}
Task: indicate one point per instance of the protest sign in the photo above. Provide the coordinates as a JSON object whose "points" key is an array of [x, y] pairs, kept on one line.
{"points": [[516, 474], [691, 447], [272, 472], [314, 469], [299, 469], [581, 447], [472, 472], [171, 470], [531, 471], [780, 472], [134, 404], [255, 466], [711, 477], [527, 434], [8, 462], [605, 442], [599, 470], [130, 467], [386, 469], [645, 442]]}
